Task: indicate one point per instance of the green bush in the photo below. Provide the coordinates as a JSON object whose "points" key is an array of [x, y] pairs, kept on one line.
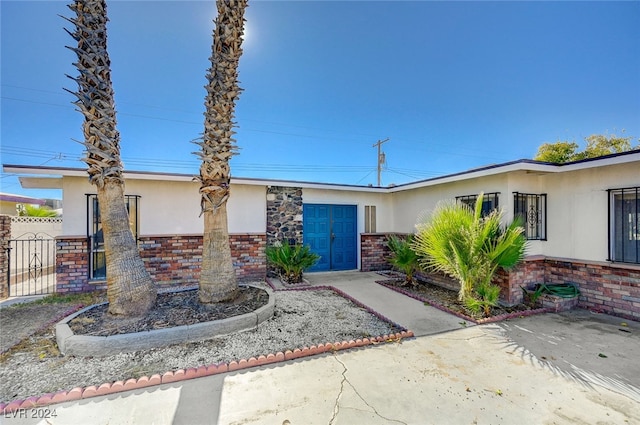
{"points": [[485, 298], [403, 257], [291, 261], [461, 243]]}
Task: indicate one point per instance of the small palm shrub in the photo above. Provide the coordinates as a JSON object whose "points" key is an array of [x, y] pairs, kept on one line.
{"points": [[458, 241], [403, 257], [291, 260], [486, 297], [43, 211]]}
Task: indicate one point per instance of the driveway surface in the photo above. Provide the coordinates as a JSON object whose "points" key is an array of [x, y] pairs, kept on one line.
{"points": [[569, 368]]}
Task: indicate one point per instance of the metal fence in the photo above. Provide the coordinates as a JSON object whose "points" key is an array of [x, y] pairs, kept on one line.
{"points": [[32, 264]]}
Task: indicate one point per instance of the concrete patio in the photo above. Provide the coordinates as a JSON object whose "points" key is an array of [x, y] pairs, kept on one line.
{"points": [[571, 368]]}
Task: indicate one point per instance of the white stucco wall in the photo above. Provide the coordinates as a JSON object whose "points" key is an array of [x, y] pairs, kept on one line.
{"points": [[577, 216], [169, 207], [410, 205], [382, 202]]}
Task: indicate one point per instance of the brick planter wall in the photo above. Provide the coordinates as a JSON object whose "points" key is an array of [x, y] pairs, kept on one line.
{"points": [[171, 260], [527, 275], [440, 279], [5, 235], [374, 251], [72, 264], [606, 288]]}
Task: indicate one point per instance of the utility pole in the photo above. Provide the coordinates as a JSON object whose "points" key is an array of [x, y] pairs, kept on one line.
{"points": [[381, 158]]}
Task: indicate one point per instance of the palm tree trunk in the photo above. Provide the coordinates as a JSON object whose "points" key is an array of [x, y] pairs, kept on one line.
{"points": [[130, 290], [218, 279]]}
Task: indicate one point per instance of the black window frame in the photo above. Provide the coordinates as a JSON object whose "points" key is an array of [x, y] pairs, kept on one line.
{"points": [[617, 223], [96, 245], [490, 201], [532, 208]]}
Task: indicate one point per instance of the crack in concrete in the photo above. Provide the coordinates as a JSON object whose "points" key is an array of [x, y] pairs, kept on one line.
{"points": [[336, 408]]}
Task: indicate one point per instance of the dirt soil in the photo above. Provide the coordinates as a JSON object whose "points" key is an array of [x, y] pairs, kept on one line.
{"points": [[19, 321], [171, 309], [445, 298]]}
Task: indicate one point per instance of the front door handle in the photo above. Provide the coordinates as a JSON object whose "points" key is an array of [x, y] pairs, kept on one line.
{"points": [[333, 236]]}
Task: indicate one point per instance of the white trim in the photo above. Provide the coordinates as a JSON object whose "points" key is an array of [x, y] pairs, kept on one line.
{"points": [[523, 165]]}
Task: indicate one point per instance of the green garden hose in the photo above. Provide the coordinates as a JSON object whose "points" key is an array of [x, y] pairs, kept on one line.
{"points": [[563, 290]]}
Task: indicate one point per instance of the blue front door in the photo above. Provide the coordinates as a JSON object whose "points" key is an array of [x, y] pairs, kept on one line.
{"points": [[330, 231]]}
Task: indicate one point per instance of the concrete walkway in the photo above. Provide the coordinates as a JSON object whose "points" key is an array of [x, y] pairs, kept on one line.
{"points": [[412, 314], [475, 374]]}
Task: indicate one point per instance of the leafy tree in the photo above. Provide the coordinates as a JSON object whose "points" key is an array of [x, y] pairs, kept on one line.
{"points": [[558, 152], [459, 242], [130, 290], [218, 279], [598, 145], [403, 257]]}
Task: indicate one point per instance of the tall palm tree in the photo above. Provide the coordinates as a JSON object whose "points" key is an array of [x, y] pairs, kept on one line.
{"points": [[130, 290], [218, 279]]}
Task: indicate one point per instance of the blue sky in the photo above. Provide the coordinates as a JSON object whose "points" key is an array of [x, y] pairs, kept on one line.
{"points": [[453, 85]]}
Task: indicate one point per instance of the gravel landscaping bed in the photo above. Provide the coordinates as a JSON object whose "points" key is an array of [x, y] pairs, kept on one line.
{"points": [[302, 318]]}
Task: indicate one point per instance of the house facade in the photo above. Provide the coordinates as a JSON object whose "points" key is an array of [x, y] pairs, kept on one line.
{"points": [[581, 222]]}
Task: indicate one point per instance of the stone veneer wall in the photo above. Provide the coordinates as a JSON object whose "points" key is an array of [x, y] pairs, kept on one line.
{"points": [[5, 235], [284, 214], [171, 260]]}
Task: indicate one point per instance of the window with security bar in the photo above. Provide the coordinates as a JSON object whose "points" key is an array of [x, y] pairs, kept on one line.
{"points": [[97, 255], [532, 209], [624, 225], [489, 202]]}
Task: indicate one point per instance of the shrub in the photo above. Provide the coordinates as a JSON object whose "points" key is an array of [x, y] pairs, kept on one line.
{"points": [[291, 260], [403, 257], [485, 297], [459, 242]]}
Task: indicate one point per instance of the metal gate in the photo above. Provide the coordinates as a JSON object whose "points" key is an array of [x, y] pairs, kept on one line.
{"points": [[32, 265]]}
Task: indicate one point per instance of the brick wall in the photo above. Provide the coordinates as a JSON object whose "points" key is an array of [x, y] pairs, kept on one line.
{"points": [[5, 235], [72, 264], [529, 273], [171, 260], [248, 255], [374, 252], [606, 288]]}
